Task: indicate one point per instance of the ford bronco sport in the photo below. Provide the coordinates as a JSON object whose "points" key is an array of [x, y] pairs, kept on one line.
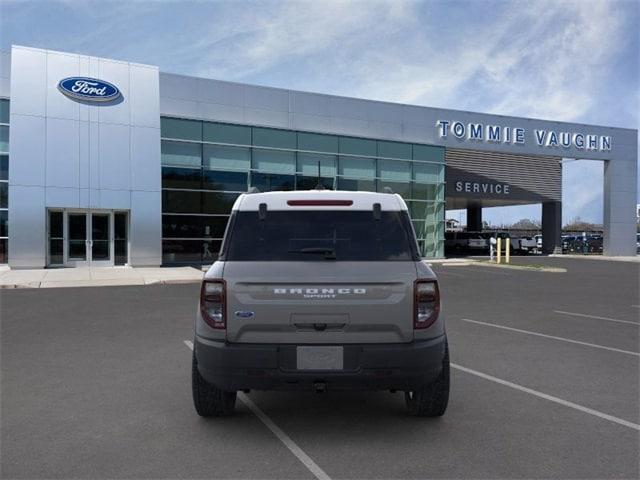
{"points": [[320, 290]]}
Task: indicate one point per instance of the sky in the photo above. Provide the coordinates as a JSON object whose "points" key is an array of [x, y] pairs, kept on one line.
{"points": [[558, 60]]}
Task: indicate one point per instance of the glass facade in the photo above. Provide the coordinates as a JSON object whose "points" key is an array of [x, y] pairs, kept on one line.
{"points": [[4, 180], [206, 165]]}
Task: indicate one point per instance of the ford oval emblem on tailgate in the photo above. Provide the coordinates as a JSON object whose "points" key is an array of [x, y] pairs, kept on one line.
{"points": [[244, 314]]}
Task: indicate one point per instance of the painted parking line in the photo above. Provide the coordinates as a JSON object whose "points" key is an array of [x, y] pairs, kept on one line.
{"points": [[442, 272], [562, 339], [551, 398], [608, 319], [279, 433]]}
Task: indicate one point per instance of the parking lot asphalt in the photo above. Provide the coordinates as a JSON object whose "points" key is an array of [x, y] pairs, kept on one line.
{"points": [[96, 384]]}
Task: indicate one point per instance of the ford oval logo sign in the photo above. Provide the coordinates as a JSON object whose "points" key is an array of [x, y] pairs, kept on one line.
{"points": [[89, 89]]}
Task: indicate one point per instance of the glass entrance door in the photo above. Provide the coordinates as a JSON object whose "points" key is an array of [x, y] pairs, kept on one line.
{"points": [[100, 242], [77, 239], [82, 238]]}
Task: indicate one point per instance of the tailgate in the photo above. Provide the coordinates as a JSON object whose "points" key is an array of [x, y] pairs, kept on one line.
{"points": [[319, 302]]}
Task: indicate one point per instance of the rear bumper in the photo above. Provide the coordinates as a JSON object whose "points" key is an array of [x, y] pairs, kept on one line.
{"points": [[404, 366]]}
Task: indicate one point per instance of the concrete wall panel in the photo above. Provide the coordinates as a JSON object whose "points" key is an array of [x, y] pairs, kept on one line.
{"points": [[28, 81], [146, 228], [27, 142], [28, 229], [59, 66], [63, 153], [115, 156]]}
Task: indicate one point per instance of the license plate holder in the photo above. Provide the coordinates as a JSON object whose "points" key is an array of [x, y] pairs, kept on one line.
{"points": [[320, 358]]}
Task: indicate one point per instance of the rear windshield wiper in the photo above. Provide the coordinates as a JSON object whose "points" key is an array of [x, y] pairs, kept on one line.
{"points": [[329, 253]]}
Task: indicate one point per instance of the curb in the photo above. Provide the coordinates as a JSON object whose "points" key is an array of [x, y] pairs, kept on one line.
{"points": [[521, 267], [98, 283]]}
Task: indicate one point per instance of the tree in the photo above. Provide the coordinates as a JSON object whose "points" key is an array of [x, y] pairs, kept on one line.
{"points": [[579, 225], [525, 224]]}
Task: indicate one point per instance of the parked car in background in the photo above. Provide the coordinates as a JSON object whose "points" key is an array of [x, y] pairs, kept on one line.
{"points": [[582, 244], [528, 245], [457, 243], [538, 247]]}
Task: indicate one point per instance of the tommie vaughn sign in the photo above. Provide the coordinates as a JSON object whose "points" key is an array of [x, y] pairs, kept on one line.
{"points": [[478, 132], [88, 89]]}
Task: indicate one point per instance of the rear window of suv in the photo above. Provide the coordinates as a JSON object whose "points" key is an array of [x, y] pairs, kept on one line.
{"points": [[320, 236]]}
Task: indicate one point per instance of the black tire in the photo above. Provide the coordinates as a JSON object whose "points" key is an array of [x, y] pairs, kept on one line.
{"points": [[209, 400], [432, 399]]}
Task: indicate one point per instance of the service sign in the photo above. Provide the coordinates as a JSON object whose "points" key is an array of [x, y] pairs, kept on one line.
{"points": [[88, 89]]}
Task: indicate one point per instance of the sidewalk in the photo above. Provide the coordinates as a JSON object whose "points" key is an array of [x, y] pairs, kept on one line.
{"points": [[97, 277], [635, 259]]}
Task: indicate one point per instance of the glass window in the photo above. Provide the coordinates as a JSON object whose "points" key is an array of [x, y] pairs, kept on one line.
{"points": [[120, 243], [358, 146], [190, 251], [310, 183], [432, 212], [55, 224], [271, 137], [217, 180], [190, 178], [214, 226], [180, 153], [436, 212], [356, 185], [308, 164], [4, 111], [227, 158], [4, 167], [267, 182], [317, 143], [4, 195], [4, 223], [425, 191], [419, 227], [183, 251], [4, 254], [4, 139], [401, 188], [321, 235], [428, 172], [427, 153], [274, 161], [176, 201], [394, 170], [56, 238], [56, 250], [182, 129], [417, 210], [357, 167], [77, 231], [218, 202], [394, 150], [224, 133], [181, 226]]}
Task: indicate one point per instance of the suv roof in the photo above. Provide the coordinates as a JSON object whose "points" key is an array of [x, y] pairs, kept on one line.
{"points": [[280, 200]]}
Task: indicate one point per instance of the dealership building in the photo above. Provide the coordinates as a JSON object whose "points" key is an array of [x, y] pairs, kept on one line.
{"points": [[107, 162]]}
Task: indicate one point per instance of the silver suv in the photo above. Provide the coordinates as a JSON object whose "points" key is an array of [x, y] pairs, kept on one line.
{"points": [[320, 290]]}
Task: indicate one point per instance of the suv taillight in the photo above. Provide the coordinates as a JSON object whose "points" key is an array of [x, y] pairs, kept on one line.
{"points": [[426, 303], [212, 303]]}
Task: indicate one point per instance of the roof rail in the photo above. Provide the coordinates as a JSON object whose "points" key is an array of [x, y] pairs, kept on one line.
{"points": [[387, 190], [253, 190]]}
